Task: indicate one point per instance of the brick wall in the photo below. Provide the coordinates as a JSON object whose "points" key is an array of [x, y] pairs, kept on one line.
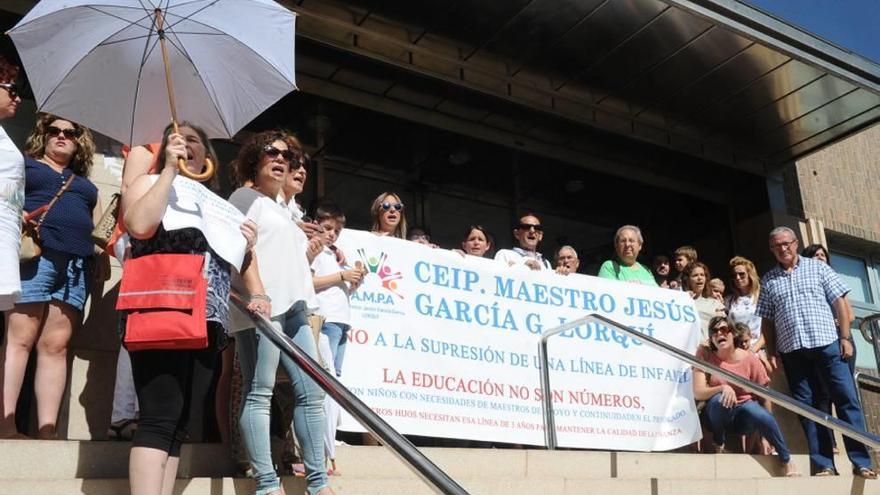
{"points": [[840, 185]]}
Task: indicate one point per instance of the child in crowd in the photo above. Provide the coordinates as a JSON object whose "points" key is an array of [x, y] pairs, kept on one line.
{"points": [[333, 284], [755, 443], [716, 287], [682, 257]]}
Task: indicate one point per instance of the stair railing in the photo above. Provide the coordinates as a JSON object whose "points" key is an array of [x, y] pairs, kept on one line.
{"points": [[868, 327], [397, 443], [773, 396]]}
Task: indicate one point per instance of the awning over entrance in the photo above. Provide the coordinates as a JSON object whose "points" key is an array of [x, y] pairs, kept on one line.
{"points": [[715, 79]]}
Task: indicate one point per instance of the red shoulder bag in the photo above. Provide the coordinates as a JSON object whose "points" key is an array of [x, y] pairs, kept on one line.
{"points": [[165, 296]]}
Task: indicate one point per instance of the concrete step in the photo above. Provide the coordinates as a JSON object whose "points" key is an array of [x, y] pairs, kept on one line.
{"points": [[25, 460], [345, 485]]}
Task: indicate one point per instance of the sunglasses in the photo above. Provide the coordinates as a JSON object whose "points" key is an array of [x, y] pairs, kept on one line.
{"points": [[721, 329], [71, 133], [294, 158], [529, 226], [10, 88], [387, 206]]}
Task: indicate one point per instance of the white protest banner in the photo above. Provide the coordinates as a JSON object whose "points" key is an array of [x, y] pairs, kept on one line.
{"points": [[192, 205], [444, 345]]}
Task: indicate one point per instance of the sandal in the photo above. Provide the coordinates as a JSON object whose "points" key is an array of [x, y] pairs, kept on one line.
{"points": [[865, 472], [825, 472]]}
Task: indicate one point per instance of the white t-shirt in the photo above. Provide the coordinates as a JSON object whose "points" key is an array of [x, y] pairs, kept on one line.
{"points": [[333, 300], [281, 256], [742, 310], [11, 203], [517, 257]]}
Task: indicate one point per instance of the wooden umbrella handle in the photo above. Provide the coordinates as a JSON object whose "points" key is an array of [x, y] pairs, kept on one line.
{"points": [[205, 175], [181, 162]]}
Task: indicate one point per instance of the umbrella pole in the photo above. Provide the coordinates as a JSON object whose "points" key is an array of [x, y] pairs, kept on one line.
{"points": [[181, 162]]}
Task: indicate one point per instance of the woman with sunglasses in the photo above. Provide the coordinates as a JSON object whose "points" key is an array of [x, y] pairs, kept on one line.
{"points": [[264, 162], [740, 305], [11, 191], [56, 283], [729, 408], [388, 217]]}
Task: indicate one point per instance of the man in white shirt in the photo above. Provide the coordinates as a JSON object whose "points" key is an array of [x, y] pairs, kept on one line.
{"points": [[528, 235]]}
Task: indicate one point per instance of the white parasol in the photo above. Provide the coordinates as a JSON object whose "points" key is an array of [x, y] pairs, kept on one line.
{"points": [[102, 64]]}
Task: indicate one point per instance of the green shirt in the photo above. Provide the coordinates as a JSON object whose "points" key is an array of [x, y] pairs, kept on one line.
{"points": [[635, 273]]}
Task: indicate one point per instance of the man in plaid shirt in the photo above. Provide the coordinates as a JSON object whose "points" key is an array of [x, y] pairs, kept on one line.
{"points": [[798, 302]]}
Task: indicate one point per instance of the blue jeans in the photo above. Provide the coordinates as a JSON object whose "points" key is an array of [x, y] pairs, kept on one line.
{"points": [[337, 334], [826, 364], [743, 419], [259, 360]]}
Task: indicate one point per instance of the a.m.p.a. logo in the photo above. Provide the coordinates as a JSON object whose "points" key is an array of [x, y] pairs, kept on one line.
{"points": [[378, 265]]}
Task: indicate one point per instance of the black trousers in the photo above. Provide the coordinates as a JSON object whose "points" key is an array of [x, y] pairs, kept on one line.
{"points": [[173, 389]]}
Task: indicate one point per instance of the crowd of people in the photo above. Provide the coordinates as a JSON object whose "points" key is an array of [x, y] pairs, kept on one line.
{"points": [[294, 275]]}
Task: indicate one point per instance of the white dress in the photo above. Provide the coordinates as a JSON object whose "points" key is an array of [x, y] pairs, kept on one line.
{"points": [[11, 204]]}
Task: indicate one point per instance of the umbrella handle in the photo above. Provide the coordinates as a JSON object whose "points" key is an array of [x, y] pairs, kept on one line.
{"points": [[202, 177]]}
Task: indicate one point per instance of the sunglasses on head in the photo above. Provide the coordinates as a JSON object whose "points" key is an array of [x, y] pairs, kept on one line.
{"points": [[527, 226], [387, 206], [292, 157], [10, 88], [71, 133]]}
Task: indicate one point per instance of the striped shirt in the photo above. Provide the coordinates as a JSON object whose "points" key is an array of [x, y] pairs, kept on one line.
{"points": [[800, 302]]}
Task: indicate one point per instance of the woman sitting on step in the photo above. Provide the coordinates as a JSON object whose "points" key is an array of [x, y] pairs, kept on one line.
{"points": [[729, 408]]}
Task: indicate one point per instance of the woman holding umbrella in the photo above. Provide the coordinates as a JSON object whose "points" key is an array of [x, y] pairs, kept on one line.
{"points": [[172, 385]]}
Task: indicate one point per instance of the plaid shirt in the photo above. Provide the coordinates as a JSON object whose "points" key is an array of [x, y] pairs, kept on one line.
{"points": [[800, 304]]}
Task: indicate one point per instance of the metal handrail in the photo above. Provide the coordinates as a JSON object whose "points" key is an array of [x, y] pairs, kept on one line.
{"points": [[397, 443], [868, 327], [868, 334], [773, 396], [865, 378]]}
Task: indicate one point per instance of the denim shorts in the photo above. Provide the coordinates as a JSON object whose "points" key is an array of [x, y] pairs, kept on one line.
{"points": [[55, 275]]}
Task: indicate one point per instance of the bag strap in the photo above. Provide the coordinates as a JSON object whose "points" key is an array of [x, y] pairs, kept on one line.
{"points": [[54, 200]]}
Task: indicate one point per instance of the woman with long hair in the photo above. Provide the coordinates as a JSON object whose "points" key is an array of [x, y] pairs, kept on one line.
{"points": [[741, 303], [55, 284], [173, 385], [696, 278], [282, 250], [387, 214]]}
